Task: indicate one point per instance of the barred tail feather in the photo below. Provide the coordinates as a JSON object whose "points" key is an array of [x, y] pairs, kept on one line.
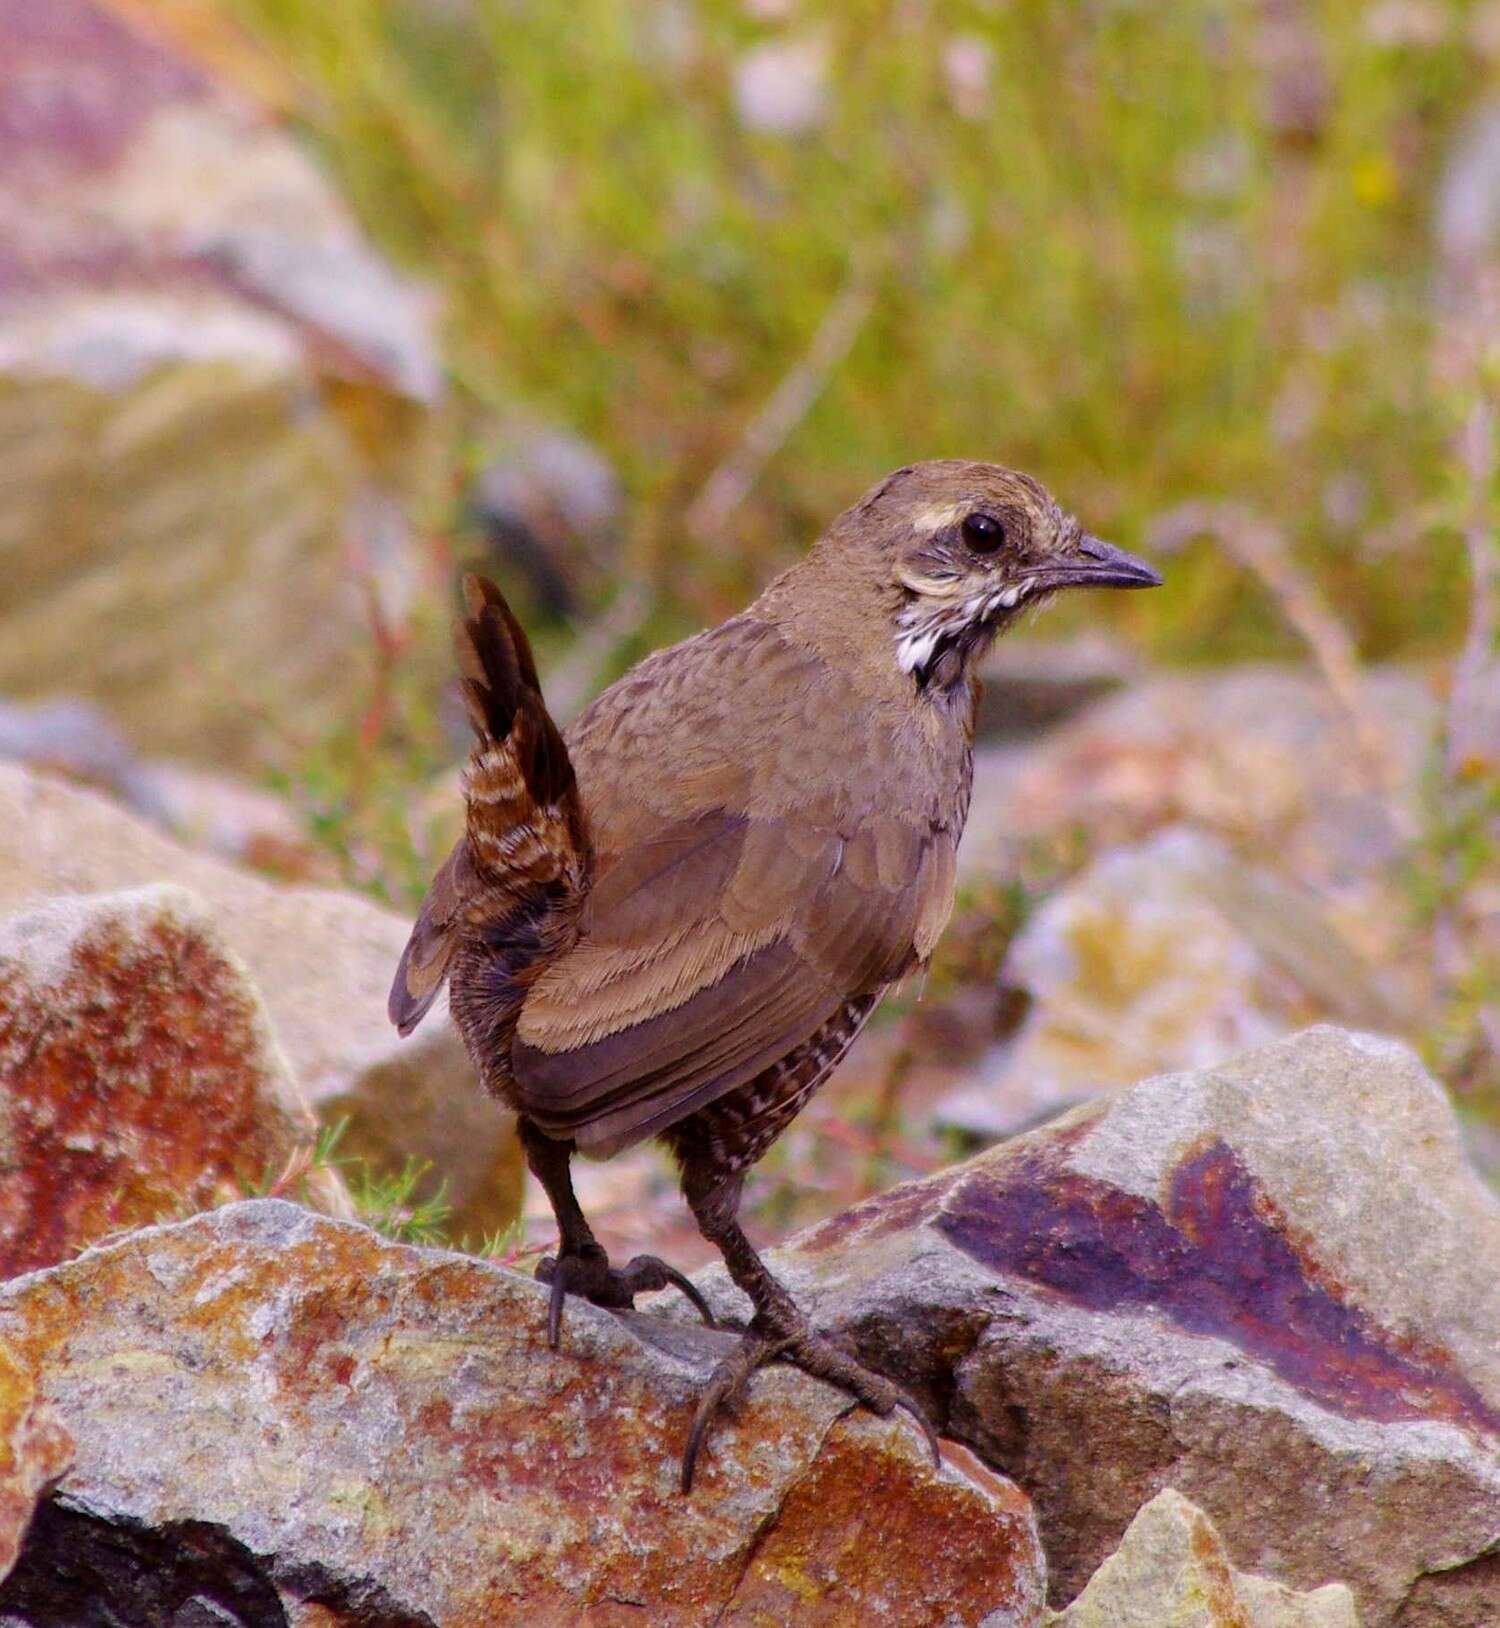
{"points": [[522, 796], [524, 860]]}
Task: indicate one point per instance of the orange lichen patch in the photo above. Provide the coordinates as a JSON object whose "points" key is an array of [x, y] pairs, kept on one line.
{"points": [[137, 1074], [412, 1435], [872, 1536], [35, 1449], [1208, 1554]]}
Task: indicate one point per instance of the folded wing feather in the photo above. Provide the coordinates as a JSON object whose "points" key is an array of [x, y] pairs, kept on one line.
{"points": [[639, 1026]]}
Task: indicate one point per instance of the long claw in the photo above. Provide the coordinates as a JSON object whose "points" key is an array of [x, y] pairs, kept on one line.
{"points": [[680, 1281], [555, 1309], [908, 1404], [706, 1410], [724, 1384]]}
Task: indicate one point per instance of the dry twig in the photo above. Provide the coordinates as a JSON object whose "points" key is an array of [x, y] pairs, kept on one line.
{"points": [[788, 404], [1472, 707], [572, 681], [1261, 548], [1470, 701]]}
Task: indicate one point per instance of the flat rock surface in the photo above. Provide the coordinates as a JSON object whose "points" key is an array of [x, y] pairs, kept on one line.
{"points": [[138, 1074], [322, 960], [280, 1417], [1273, 1284]]}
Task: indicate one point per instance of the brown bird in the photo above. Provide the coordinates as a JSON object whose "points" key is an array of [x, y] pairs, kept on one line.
{"points": [[674, 921]]}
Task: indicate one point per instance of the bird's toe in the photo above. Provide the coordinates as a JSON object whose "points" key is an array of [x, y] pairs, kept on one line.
{"points": [[646, 1273], [590, 1276]]}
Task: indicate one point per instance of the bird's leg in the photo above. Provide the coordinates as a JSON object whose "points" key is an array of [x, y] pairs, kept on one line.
{"points": [[581, 1265], [778, 1331]]}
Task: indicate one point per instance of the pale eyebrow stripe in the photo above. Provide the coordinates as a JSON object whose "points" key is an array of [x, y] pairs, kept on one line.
{"points": [[934, 519]]}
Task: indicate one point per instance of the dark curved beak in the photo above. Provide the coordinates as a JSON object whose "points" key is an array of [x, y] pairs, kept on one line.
{"points": [[1098, 564]]}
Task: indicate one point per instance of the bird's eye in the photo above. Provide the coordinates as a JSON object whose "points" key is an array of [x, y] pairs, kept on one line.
{"points": [[983, 533]]}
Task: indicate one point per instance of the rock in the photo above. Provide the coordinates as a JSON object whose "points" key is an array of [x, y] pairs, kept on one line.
{"points": [[282, 1417], [1171, 1571], [207, 808], [74, 739], [1168, 954], [1273, 1284], [1257, 755], [549, 506], [322, 961], [229, 816], [214, 399], [138, 1074], [1031, 685], [34, 1452]]}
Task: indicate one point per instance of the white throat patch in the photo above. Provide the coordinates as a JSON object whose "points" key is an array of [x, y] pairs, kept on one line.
{"points": [[930, 620]]}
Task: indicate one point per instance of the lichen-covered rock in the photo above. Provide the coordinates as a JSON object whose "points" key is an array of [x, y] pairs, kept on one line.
{"points": [[214, 398], [1171, 1571], [138, 1074], [322, 961], [1257, 753], [34, 1452], [284, 1418], [1167, 954], [1273, 1284]]}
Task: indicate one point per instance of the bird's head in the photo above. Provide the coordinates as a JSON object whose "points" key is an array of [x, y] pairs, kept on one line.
{"points": [[969, 547]]}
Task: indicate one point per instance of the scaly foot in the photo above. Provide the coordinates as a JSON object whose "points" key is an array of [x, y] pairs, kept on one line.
{"points": [[589, 1274], [793, 1341]]}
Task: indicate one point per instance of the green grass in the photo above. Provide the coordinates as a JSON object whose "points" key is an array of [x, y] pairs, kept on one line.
{"points": [[1117, 272], [398, 1204]]}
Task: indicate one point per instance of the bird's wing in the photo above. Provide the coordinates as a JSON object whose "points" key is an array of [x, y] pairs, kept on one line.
{"points": [[708, 951]]}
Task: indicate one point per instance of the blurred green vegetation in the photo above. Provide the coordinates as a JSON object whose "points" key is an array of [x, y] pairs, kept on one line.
{"points": [[1147, 252]]}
